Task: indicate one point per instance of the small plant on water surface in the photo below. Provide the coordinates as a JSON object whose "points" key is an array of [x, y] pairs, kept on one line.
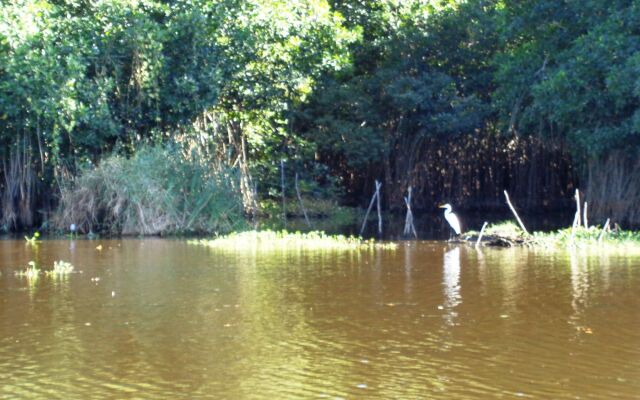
{"points": [[60, 268], [505, 228], [33, 239], [31, 272], [315, 240], [592, 236], [572, 237]]}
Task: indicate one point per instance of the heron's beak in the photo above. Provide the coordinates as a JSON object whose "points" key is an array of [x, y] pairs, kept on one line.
{"points": [[441, 206]]}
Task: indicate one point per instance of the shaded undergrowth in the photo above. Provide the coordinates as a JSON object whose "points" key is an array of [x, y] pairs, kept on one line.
{"points": [[323, 215]]}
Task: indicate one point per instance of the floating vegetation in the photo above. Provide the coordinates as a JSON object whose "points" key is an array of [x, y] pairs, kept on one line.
{"points": [[60, 268], [509, 234], [31, 272], [505, 228], [592, 237], [315, 240], [33, 239]]}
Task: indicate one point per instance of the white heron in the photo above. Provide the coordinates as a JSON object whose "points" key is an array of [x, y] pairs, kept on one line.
{"points": [[451, 218]]}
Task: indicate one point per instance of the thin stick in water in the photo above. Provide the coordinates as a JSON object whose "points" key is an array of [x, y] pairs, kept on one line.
{"points": [[284, 203], [604, 229], [408, 222], [413, 228], [578, 207], [584, 216], [480, 235], [254, 208], [304, 211], [513, 210], [576, 222], [378, 186], [407, 219], [366, 216]]}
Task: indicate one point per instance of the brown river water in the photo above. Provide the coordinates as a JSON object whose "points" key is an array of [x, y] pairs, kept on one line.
{"points": [[162, 319]]}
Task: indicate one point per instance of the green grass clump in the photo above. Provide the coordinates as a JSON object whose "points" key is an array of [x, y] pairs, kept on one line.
{"points": [[31, 272], [581, 237], [61, 268], [506, 233], [315, 240], [33, 239], [590, 237], [504, 229], [159, 190]]}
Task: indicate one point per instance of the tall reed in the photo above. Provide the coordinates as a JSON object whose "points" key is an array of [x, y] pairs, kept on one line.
{"points": [[157, 191]]}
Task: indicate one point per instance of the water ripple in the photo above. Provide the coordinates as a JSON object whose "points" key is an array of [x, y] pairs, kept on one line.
{"points": [[429, 321]]}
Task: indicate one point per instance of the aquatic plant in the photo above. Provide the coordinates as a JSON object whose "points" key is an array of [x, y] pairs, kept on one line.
{"points": [[60, 268], [504, 228], [509, 233], [33, 239], [315, 240], [592, 236], [31, 272]]}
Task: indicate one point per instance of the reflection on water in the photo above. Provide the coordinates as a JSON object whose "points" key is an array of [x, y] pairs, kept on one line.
{"points": [[579, 286], [451, 283], [409, 250], [160, 319]]}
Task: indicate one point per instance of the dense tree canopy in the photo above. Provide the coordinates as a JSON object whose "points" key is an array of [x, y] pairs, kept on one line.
{"points": [[347, 91], [572, 70]]}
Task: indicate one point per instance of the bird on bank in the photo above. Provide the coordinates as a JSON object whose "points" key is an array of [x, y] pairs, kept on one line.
{"points": [[451, 218]]}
